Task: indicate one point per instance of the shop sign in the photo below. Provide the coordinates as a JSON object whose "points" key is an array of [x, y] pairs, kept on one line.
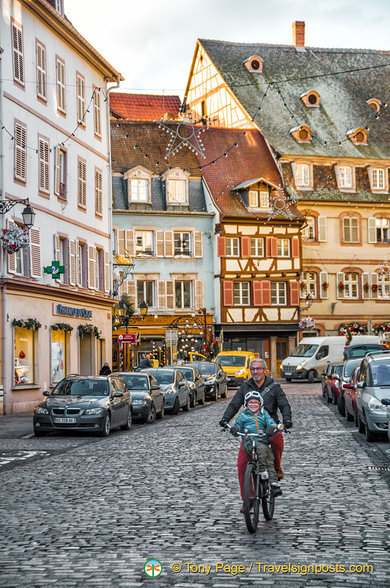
{"points": [[128, 338], [71, 311]]}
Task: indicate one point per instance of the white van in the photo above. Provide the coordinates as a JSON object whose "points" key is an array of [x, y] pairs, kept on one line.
{"points": [[314, 354]]}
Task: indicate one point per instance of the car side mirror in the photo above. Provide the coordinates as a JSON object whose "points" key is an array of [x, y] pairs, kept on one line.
{"points": [[361, 385], [181, 384], [155, 388], [118, 394], [386, 401], [46, 393]]}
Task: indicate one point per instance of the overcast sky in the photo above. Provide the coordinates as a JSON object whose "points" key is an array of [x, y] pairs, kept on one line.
{"points": [[151, 42]]}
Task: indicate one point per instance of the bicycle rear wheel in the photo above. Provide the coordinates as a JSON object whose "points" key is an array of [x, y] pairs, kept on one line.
{"points": [[267, 501], [251, 504]]}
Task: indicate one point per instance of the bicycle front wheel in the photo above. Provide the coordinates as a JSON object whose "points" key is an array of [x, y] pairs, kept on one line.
{"points": [[251, 499], [267, 501]]}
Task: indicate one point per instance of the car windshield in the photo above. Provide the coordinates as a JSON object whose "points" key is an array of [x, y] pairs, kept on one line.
{"points": [[231, 360], [207, 368], [135, 381], [187, 373], [81, 388], [164, 376], [349, 366], [338, 369], [304, 350], [380, 373]]}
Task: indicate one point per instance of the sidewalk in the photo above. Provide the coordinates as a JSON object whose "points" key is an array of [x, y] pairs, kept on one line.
{"points": [[15, 426]]}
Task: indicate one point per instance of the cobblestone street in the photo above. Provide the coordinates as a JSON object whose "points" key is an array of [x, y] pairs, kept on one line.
{"points": [[80, 511]]}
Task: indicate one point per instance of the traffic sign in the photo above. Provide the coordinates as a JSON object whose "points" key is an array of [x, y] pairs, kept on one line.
{"points": [[128, 338]]}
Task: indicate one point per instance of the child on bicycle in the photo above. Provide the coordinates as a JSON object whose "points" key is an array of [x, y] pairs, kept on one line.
{"points": [[255, 419]]}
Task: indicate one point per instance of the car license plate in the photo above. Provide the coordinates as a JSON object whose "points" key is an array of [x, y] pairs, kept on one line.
{"points": [[62, 421]]}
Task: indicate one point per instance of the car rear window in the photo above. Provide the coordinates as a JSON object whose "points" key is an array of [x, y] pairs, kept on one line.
{"points": [[231, 360], [164, 376], [207, 368], [135, 382]]}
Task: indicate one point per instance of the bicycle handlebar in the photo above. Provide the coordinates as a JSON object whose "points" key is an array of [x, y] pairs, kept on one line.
{"points": [[261, 435]]}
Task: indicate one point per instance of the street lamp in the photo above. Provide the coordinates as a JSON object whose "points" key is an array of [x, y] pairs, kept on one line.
{"points": [[14, 238], [28, 215]]}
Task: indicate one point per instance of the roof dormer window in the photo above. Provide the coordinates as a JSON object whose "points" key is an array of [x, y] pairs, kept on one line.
{"points": [[139, 185], [311, 99], [254, 64], [176, 187], [358, 136], [374, 103], [301, 134]]}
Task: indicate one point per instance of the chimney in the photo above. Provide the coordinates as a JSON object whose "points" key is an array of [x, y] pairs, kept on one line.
{"points": [[299, 33]]}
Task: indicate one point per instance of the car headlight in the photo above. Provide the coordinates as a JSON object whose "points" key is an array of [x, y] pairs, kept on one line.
{"points": [[210, 380], [240, 372], [139, 401], [41, 410], [94, 410], [375, 404], [300, 366]]}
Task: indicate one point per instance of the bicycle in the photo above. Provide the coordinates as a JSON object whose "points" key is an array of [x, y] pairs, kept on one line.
{"points": [[260, 483]]}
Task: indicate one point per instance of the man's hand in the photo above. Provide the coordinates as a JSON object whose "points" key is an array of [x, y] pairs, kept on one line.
{"points": [[288, 424], [234, 430], [223, 423]]}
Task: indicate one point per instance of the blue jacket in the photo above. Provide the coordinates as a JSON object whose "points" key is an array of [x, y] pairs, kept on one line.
{"points": [[246, 420]]}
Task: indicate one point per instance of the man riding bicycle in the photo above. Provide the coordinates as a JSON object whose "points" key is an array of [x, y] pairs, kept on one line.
{"points": [[274, 398]]}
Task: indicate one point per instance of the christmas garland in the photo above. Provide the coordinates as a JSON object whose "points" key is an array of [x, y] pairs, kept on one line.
{"points": [[382, 328], [88, 329], [31, 324], [354, 328], [62, 327]]}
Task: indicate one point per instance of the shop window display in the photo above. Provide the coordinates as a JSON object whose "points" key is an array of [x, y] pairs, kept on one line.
{"points": [[24, 356], [58, 351]]}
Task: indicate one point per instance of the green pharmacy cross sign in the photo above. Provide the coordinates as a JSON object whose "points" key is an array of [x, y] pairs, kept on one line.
{"points": [[55, 269]]}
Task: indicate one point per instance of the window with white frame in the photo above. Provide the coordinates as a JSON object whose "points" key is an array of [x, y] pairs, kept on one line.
{"points": [[61, 171], [283, 247], [20, 152], [97, 124], [382, 230], [241, 293], [80, 94], [144, 243], [82, 183], [351, 289], [182, 241], [309, 284], [303, 175], [60, 74], [278, 293], [350, 229], [98, 192], [257, 247], [232, 246], [64, 259], [384, 286], [17, 47], [19, 262], [176, 191], [182, 294], [145, 292], [258, 199], [345, 176], [139, 190], [41, 70], [378, 178], [309, 232], [82, 265], [43, 165]]}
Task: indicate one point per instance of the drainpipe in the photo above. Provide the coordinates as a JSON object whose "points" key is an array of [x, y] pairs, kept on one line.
{"points": [[3, 258]]}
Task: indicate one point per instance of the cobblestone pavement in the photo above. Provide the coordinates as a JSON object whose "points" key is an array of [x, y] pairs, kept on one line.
{"points": [[88, 512]]}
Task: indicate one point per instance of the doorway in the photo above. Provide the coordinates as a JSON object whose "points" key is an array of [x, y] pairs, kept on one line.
{"points": [[281, 352], [86, 355]]}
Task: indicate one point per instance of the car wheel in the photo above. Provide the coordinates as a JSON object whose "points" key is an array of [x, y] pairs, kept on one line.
{"points": [[215, 395], [128, 423], [161, 414], [370, 435], [225, 394], [361, 426], [288, 380], [356, 418], [187, 405], [334, 397], [176, 406], [341, 405], [193, 400], [151, 415], [310, 376], [201, 400], [349, 416], [106, 430]]}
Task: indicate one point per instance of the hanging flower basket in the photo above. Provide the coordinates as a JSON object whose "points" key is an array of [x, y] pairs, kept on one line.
{"points": [[88, 329], [14, 239], [31, 324], [307, 322]]}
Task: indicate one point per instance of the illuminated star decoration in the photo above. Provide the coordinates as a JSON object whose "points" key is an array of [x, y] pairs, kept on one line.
{"points": [[183, 132], [384, 268], [280, 205]]}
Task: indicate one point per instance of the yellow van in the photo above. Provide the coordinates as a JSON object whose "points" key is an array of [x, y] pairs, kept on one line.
{"points": [[197, 357], [236, 365]]}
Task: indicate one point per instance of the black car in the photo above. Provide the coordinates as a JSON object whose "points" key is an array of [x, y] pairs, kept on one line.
{"points": [[195, 381], [146, 395], [361, 350], [215, 379], [94, 404]]}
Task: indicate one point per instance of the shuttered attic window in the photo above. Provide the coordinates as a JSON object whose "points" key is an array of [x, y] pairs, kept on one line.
{"points": [[254, 64], [358, 136], [301, 134]]}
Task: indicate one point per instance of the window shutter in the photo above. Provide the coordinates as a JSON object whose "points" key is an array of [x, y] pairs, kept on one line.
{"points": [[35, 253], [257, 293], [60, 67], [372, 230], [322, 228], [17, 41], [170, 295], [199, 294], [271, 247], [245, 246], [72, 263], [96, 111], [20, 152], [43, 165], [121, 241], [323, 279], [168, 244], [57, 172], [374, 282], [198, 244], [41, 70], [106, 271], [11, 257], [98, 192], [160, 245], [295, 247], [340, 291], [91, 267], [130, 249], [228, 297], [56, 248], [266, 287], [268, 246], [82, 183], [162, 294], [294, 293], [221, 246], [365, 280]]}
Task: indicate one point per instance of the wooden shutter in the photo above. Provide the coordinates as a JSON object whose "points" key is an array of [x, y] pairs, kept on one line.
{"points": [[17, 42], [121, 241], [294, 247], [245, 247], [168, 237], [72, 263], [228, 296], [221, 246], [294, 293], [35, 253], [371, 237], [11, 256], [160, 244], [43, 165], [266, 287], [60, 68], [107, 275], [82, 183], [170, 294], [323, 279], [199, 294], [257, 293], [91, 267], [340, 277], [162, 294], [20, 152], [129, 245], [374, 282], [41, 71], [271, 247], [96, 112], [57, 248], [198, 244], [365, 280], [131, 291], [322, 228], [98, 192]]}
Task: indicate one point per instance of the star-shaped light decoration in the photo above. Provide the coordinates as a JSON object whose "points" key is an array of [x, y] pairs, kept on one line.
{"points": [[183, 132], [280, 204]]}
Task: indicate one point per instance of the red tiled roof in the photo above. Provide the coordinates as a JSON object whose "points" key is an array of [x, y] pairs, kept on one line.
{"points": [[144, 107]]}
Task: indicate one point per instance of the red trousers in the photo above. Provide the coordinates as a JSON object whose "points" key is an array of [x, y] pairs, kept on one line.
{"points": [[277, 444]]}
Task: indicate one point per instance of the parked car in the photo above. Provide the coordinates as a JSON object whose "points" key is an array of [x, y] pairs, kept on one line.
{"points": [[386, 403], [195, 381], [345, 378], [325, 378], [215, 379], [373, 385], [236, 365], [177, 393], [333, 383], [146, 395], [355, 351], [84, 403], [350, 396]]}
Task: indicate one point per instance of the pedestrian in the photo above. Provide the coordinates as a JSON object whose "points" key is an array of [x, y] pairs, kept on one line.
{"points": [[145, 362], [274, 399], [105, 370]]}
